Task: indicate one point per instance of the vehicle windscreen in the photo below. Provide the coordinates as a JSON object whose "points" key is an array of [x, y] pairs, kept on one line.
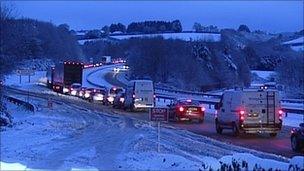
{"points": [[115, 91], [188, 103]]}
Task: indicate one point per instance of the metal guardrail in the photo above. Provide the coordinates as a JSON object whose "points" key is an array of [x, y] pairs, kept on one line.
{"points": [[215, 97], [19, 102]]}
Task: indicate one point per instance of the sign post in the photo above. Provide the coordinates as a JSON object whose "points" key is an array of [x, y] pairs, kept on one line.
{"points": [[25, 72], [158, 115]]}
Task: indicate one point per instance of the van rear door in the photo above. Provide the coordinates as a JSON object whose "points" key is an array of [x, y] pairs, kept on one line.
{"points": [[144, 94], [260, 107]]}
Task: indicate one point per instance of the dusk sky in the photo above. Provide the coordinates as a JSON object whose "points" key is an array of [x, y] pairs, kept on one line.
{"points": [[272, 16]]}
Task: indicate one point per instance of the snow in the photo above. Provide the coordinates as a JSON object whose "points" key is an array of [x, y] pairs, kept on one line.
{"points": [[209, 37], [293, 119], [14, 79], [97, 76], [298, 40], [70, 137], [264, 74]]}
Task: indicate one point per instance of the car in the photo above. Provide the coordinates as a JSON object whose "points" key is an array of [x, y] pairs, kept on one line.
{"points": [[297, 138], [112, 94], [74, 88], [99, 95], [119, 100], [186, 109], [81, 92]]}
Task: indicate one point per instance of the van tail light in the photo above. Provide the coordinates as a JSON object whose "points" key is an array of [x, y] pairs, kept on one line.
{"points": [[281, 114], [242, 117], [181, 109], [154, 96], [292, 131], [203, 109], [133, 96]]}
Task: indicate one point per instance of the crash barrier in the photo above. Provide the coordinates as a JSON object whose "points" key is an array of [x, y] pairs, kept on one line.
{"points": [[19, 102], [165, 94]]}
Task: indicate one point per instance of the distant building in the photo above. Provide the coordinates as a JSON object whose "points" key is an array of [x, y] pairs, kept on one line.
{"points": [[296, 44]]}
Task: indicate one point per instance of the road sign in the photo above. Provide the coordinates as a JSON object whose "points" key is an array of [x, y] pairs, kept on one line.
{"points": [[159, 114], [25, 72]]}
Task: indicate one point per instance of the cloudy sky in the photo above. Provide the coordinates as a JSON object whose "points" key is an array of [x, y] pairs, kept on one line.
{"points": [[272, 16]]}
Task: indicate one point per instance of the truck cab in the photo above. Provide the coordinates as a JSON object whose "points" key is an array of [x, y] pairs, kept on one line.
{"points": [[249, 111]]}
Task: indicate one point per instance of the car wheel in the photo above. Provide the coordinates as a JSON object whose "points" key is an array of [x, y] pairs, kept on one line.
{"points": [[177, 119], [235, 130], [219, 130], [273, 134], [295, 144], [201, 120]]}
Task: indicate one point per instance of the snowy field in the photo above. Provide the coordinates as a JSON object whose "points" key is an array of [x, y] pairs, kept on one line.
{"points": [[265, 75], [68, 137], [208, 37]]}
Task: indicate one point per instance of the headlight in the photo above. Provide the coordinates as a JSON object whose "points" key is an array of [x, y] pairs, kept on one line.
{"points": [[80, 93], [65, 90], [121, 99], [110, 99], [98, 97], [87, 95], [73, 92]]}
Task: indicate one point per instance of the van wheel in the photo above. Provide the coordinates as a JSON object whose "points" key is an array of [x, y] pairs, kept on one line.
{"points": [[235, 130], [273, 134], [201, 120], [295, 144], [218, 128]]}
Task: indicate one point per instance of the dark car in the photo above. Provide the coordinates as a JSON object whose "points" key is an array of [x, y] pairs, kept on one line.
{"points": [[112, 94], [99, 95], [186, 109], [119, 101], [74, 89], [297, 138]]}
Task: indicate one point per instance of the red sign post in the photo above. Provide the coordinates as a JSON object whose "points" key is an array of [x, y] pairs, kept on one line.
{"points": [[159, 115]]}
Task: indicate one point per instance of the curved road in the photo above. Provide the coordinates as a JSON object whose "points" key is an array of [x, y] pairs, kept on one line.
{"points": [[279, 145]]}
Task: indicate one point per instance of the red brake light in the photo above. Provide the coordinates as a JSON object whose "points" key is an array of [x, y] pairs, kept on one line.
{"points": [[281, 112], [242, 112], [181, 109], [133, 96], [203, 109], [242, 118]]}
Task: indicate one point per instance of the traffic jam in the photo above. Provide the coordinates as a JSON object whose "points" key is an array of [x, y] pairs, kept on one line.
{"points": [[242, 111]]}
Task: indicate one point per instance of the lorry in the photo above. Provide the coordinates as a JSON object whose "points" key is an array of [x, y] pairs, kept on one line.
{"points": [[139, 95], [249, 111], [106, 60], [64, 74]]}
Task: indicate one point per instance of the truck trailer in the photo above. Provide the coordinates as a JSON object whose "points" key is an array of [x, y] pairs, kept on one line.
{"points": [[64, 74], [106, 60]]}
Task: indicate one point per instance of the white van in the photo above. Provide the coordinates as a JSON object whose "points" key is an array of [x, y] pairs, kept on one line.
{"points": [[139, 95], [249, 111]]}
